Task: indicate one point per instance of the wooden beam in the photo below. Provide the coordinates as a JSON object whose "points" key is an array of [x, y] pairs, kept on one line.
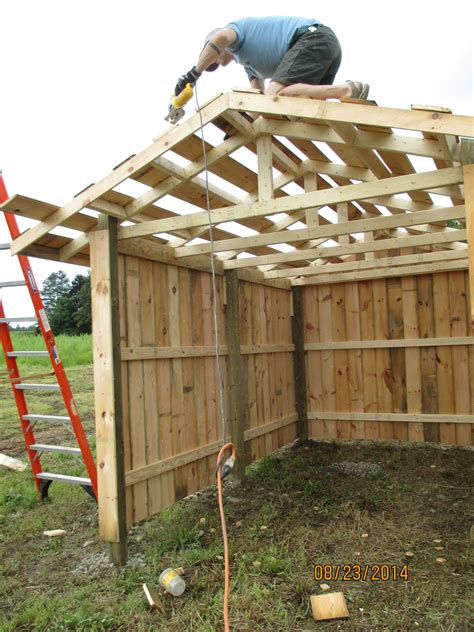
{"points": [[349, 193], [442, 123], [329, 231], [107, 390], [299, 363], [73, 247], [265, 176], [164, 143], [360, 140], [393, 417], [172, 463], [373, 264], [467, 156], [383, 273], [159, 353], [311, 254], [453, 341], [238, 400]]}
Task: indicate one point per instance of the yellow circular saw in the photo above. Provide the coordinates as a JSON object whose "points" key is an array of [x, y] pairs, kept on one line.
{"points": [[177, 103]]}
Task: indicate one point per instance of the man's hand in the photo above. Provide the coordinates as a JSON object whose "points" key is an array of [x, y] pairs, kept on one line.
{"points": [[190, 77]]}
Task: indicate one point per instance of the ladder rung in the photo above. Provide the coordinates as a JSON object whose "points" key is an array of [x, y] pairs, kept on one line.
{"points": [[35, 354], [19, 319], [43, 447], [55, 419], [12, 283], [65, 478], [37, 387], [5, 246]]}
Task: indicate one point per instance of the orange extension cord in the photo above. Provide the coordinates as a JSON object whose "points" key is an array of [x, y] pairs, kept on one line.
{"points": [[220, 462]]}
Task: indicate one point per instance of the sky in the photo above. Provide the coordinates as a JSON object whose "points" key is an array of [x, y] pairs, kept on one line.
{"points": [[85, 84]]}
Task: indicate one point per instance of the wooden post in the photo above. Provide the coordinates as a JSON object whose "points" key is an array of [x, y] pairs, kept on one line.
{"points": [[238, 409], [467, 158], [297, 324], [107, 389]]}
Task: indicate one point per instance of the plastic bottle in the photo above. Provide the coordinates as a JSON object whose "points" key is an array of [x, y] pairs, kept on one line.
{"points": [[172, 582]]}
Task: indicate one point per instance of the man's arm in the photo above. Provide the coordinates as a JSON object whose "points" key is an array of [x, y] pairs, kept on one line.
{"points": [[214, 48], [257, 84]]}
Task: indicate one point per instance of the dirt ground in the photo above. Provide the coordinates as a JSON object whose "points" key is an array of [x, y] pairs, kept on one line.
{"points": [[396, 520]]}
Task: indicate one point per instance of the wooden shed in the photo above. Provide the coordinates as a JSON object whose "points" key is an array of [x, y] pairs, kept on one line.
{"points": [[344, 303]]}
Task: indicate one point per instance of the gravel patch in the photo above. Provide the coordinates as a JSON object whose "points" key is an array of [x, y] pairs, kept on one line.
{"points": [[99, 563], [359, 469]]}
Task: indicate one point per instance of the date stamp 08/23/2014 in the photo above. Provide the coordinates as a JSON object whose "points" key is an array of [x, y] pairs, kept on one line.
{"points": [[361, 572]]}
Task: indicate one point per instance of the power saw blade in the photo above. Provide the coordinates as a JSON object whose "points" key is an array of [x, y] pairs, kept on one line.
{"points": [[174, 115]]}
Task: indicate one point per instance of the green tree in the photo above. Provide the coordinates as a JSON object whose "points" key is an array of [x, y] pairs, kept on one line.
{"points": [[55, 286], [68, 303]]}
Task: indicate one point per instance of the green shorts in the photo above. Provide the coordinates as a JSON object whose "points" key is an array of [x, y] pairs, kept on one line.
{"points": [[314, 57]]}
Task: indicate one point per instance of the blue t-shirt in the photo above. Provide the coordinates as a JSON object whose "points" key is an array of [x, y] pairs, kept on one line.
{"points": [[262, 43]]}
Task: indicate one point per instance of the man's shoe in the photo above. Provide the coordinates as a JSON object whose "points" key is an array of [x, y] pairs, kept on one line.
{"points": [[359, 90]]}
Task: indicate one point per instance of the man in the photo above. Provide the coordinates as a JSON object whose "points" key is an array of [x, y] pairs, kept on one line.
{"points": [[300, 57]]}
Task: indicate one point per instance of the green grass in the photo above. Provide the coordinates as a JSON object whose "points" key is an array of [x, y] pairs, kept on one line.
{"points": [[74, 350]]}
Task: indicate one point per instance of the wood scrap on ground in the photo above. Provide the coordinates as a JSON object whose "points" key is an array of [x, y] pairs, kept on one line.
{"points": [[12, 463], [153, 597], [330, 606]]}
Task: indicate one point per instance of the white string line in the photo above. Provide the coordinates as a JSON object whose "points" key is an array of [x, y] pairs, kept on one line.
{"points": [[214, 289]]}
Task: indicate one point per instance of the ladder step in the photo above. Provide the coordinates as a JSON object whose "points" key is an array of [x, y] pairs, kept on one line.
{"points": [[55, 419], [37, 387], [65, 478], [5, 246], [12, 283], [34, 354], [19, 319], [43, 447]]}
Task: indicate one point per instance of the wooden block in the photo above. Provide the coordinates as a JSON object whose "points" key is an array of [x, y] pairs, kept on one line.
{"points": [[358, 101], [11, 463], [330, 606], [432, 108], [245, 89], [153, 597], [55, 533]]}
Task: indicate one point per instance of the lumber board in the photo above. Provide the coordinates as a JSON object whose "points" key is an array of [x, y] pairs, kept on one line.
{"points": [[327, 358], [107, 389], [444, 364], [348, 193], [394, 417], [459, 326], [442, 123], [313, 360], [383, 273], [374, 264], [299, 364], [446, 341], [237, 405], [328, 231], [311, 254], [360, 140], [412, 355], [355, 368], [180, 460], [382, 356], [369, 364], [135, 386], [397, 355], [469, 194]]}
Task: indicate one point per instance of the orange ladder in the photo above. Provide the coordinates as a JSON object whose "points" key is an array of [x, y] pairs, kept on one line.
{"points": [[72, 420]]}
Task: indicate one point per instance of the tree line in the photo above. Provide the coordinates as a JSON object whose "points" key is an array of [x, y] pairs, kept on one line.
{"points": [[68, 303]]}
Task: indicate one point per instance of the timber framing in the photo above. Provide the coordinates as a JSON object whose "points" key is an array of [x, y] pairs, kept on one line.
{"points": [[337, 193]]}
